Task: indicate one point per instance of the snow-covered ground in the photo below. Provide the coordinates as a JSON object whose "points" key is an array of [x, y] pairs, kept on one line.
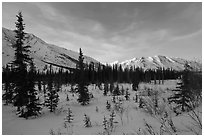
{"points": [[133, 117]]}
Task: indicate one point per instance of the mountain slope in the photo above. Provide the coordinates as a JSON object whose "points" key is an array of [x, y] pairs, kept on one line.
{"points": [[160, 62], [42, 52]]}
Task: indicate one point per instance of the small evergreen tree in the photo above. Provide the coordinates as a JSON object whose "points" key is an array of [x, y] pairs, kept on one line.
{"points": [[67, 97], [87, 121], [141, 103], [122, 91], [69, 117], [114, 99], [72, 89], [155, 81], [111, 120], [106, 125], [108, 105], [116, 91], [135, 79], [127, 95], [39, 85], [136, 98], [105, 89], [33, 106], [163, 76], [135, 85], [148, 92], [44, 92], [155, 99], [52, 96], [96, 109], [111, 87]]}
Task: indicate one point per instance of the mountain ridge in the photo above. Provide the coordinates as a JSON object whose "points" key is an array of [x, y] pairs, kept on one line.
{"points": [[42, 52], [45, 54], [159, 61]]}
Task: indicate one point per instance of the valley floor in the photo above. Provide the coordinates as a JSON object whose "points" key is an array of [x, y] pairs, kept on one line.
{"points": [[133, 117]]}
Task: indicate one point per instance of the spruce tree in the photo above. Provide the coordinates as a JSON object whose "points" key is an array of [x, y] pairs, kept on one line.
{"points": [[108, 105], [182, 94], [105, 89], [44, 92], [141, 102], [67, 99], [111, 87], [21, 59], [135, 80], [122, 91], [72, 89], [69, 117], [106, 125], [114, 99], [52, 96], [112, 120], [127, 95], [87, 121], [97, 109], [116, 91], [33, 106], [136, 98], [82, 87], [39, 85]]}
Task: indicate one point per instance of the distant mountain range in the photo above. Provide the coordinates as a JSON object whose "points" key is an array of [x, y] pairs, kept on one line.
{"points": [[159, 61], [42, 52], [45, 54]]}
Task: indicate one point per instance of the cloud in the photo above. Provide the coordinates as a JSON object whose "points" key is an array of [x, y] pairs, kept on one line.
{"points": [[49, 12], [116, 31], [186, 36]]}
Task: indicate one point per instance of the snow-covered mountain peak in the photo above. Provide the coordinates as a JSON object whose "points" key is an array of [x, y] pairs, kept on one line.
{"points": [[160, 61], [42, 52]]}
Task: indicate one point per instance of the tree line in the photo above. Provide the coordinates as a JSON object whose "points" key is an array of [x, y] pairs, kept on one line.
{"points": [[97, 73]]}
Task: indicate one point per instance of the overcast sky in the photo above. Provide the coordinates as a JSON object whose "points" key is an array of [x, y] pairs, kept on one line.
{"points": [[114, 31]]}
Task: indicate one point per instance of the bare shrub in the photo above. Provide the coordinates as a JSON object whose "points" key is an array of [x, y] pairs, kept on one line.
{"points": [[119, 108], [196, 117]]}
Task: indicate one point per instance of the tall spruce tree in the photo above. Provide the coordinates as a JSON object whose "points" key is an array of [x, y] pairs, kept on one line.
{"points": [[82, 87], [21, 59], [183, 94]]}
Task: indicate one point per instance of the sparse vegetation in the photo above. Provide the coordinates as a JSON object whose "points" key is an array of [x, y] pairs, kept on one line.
{"points": [[87, 121]]}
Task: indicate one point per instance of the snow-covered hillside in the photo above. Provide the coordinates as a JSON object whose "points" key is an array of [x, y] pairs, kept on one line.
{"points": [[42, 52], [160, 62]]}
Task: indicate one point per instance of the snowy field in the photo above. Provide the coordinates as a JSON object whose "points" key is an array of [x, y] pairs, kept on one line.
{"points": [[132, 121]]}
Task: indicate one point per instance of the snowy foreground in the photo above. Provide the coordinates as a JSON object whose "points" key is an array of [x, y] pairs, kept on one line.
{"points": [[133, 118]]}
